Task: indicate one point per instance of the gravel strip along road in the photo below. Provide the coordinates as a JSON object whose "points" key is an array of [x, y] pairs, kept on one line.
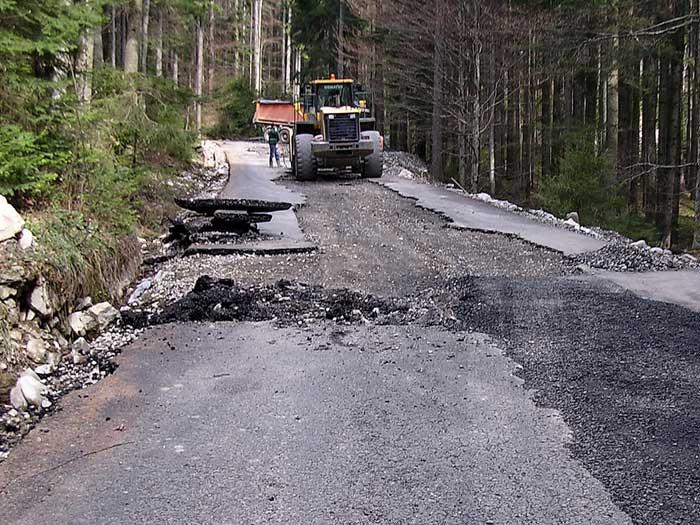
{"points": [[361, 416]]}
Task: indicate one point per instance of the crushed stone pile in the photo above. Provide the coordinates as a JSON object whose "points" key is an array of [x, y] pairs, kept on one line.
{"points": [[397, 162], [621, 256]]}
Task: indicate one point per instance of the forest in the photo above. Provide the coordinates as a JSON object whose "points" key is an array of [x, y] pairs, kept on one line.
{"points": [[587, 106]]}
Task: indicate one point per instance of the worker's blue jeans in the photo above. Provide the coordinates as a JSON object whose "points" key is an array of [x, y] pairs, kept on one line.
{"points": [[274, 154]]}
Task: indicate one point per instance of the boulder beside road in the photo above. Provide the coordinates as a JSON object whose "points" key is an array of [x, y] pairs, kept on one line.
{"points": [[11, 223]]}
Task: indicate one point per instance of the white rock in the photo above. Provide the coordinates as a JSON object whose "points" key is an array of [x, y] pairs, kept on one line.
{"points": [[39, 300], [572, 223], [405, 174], [690, 258], [140, 290], [485, 197], [53, 358], [6, 292], [82, 323], [84, 303], [30, 372], [574, 217], [44, 370], [81, 345], [641, 245], [45, 403], [13, 413], [77, 357], [36, 350], [104, 313], [32, 390], [26, 239], [17, 398], [11, 223], [656, 250]]}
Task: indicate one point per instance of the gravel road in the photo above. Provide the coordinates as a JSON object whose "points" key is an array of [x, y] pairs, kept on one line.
{"points": [[350, 418]]}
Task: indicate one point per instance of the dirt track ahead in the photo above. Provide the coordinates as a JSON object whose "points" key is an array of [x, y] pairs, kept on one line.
{"points": [[404, 419]]}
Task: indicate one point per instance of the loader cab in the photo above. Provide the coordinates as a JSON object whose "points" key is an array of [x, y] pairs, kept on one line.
{"points": [[328, 93], [323, 97], [338, 95]]}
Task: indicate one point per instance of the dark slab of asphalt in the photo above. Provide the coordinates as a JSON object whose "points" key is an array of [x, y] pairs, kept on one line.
{"points": [[250, 178], [472, 214], [243, 423]]}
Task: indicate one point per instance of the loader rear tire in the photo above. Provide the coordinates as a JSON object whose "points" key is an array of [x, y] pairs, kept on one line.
{"points": [[305, 167], [373, 166]]}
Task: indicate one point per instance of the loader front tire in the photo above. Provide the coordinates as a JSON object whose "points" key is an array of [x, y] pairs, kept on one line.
{"points": [[305, 167], [373, 166]]}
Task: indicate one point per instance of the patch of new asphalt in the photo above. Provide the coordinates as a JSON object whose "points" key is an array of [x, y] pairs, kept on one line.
{"points": [[243, 423], [624, 372]]}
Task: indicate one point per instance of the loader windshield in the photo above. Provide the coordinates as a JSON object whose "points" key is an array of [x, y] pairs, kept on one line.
{"points": [[334, 95]]}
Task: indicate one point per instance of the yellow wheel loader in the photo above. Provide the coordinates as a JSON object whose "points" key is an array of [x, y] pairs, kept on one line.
{"points": [[330, 127]]}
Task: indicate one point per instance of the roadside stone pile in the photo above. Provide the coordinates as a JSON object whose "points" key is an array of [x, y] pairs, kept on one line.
{"points": [[620, 256], [41, 334], [406, 165]]}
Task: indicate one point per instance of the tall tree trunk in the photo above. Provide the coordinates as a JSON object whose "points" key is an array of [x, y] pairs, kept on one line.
{"points": [[237, 39], [624, 140], [83, 65], [113, 36], [650, 87], [558, 110], [288, 51], [176, 68], [211, 66], [145, 20], [546, 120], [492, 119], [97, 48], [475, 132], [341, 39], [695, 135], [671, 79], [131, 50], [257, 49], [612, 124], [436, 136], [159, 43], [527, 127], [199, 74], [675, 153]]}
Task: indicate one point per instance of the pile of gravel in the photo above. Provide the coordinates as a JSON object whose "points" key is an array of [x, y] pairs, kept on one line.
{"points": [[395, 161], [620, 256]]}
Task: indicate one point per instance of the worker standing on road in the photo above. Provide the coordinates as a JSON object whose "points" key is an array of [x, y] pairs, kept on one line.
{"points": [[273, 138]]}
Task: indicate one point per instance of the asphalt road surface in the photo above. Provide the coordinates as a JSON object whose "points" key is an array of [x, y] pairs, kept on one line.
{"points": [[514, 393]]}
